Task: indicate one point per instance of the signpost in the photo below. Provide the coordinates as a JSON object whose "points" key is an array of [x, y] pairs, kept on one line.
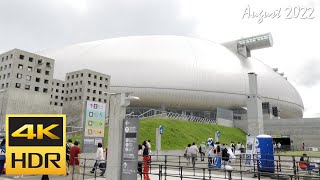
{"points": [[130, 148], [93, 123], [161, 128], [217, 136], [159, 132]]}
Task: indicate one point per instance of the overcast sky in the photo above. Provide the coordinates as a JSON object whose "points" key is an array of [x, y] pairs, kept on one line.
{"points": [[36, 25]]}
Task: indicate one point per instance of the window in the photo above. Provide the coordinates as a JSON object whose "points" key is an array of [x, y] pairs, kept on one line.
{"points": [[38, 70], [19, 76], [5, 67], [67, 84], [62, 91], [80, 82], [70, 91], [107, 79], [68, 77], [46, 81], [95, 76], [100, 85], [81, 74], [66, 99], [62, 85], [76, 82], [57, 90], [58, 84], [99, 100], [7, 84], [76, 90], [18, 85], [61, 104], [50, 102], [45, 90], [100, 92], [4, 76], [89, 75], [75, 98], [0, 77], [28, 78], [94, 91], [47, 73], [21, 56], [72, 84], [11, 56], [106, 86], [55, 103], [88, 90], [101, 78], [37, 79], [27, 87], [88, 98], [20, 66], [30, 59], [93, 99], [67, 92], [2, 86], [40, 61], [94, 84], [51, 89], [77, 75], [8, 75], [1, 68], [48, 64], [70, 98], [80, 90], [89, 82], [9, 66], [6, 57], [51, 95], [79, 97], [105, 101], [56, 97], [72, 77], [29, 68], [36, 88]]}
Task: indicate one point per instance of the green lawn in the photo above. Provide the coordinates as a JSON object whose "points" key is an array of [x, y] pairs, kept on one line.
{"points": [[178, 133]]}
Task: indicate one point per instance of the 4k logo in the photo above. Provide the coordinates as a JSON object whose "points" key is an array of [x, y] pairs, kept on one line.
{"points": [[36, 144]]}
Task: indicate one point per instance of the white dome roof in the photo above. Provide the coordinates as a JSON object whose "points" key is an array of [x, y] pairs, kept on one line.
{"points": [[178, 72]]}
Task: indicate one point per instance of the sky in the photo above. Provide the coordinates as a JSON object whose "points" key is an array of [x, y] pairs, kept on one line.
{"points": [[36, 25]]}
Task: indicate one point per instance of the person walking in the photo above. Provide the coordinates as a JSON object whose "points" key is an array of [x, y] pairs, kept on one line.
{"points": [[74, 161], [146, 159], [2, 154], [202, 151], [99, 159], [187, 154], [194, 152], [68, 147], [140, 160]]}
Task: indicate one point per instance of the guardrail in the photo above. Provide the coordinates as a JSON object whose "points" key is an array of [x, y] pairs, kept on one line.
{"points": [[165, 166]]}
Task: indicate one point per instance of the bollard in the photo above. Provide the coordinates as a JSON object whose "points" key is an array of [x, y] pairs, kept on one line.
{"points": [[181, 172], [160, 172], [165, 167], [204, 173], [209, 174], [84, 168]]}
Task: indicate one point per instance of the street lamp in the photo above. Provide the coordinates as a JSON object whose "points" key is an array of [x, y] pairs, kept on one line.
{"points": [[118, 103]]}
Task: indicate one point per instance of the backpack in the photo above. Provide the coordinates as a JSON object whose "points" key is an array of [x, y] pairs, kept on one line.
{"points": [[225, 154]]}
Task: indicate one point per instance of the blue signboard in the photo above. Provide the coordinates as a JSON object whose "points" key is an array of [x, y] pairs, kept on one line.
{"points": [[161, 128], [218, 134]]}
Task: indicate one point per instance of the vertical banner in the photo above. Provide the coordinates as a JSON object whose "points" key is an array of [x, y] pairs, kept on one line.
{"points": [[36, 144], [250, 150], [94, 124], [130, 148]]}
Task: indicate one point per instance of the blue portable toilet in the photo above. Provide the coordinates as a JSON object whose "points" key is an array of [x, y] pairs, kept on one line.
{"points": [[264, 150]]}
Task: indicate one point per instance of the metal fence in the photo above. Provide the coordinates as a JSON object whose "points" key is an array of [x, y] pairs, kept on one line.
{"points": [[166, 166]]}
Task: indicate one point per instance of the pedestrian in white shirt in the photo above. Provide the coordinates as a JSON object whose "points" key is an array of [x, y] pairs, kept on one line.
{"points": [[99, 160], [194, 152]]}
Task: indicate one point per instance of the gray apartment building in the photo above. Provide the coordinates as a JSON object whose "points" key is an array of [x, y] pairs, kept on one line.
{"points": [[27, 87], [81, 86]]}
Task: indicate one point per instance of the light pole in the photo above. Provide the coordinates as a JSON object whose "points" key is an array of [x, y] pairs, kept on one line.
{"points": [[2, 121], [117, 112]]}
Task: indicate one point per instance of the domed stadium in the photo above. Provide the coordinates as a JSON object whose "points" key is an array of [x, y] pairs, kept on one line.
{"points": [[179, 74]]}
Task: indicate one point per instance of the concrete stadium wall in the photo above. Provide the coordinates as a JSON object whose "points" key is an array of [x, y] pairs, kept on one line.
{"points": [[225, 122], [300, 130]]}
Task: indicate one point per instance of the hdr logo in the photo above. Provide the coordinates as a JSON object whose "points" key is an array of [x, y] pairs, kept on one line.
{"points": [[36, 144]]}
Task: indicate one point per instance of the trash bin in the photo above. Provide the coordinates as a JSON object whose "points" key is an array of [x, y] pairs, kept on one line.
{"points": [[264, 149]]}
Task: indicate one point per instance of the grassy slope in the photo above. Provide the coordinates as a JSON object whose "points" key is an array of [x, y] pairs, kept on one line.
{"points": [[179, 133]]}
